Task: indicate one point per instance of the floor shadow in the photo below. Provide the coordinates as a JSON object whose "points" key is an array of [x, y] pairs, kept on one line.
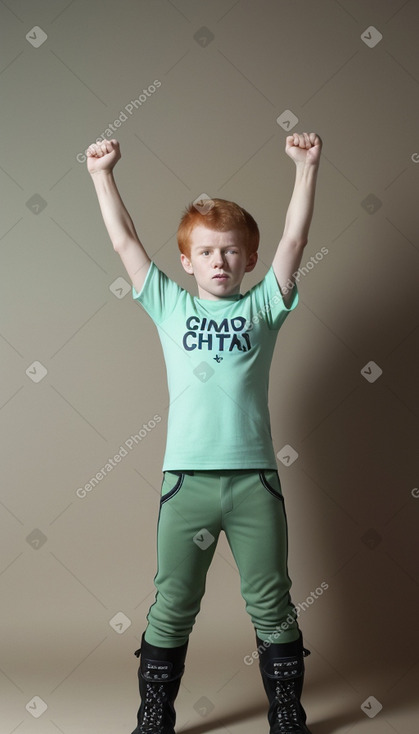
{"points": [[324, 726], [235, 717]]}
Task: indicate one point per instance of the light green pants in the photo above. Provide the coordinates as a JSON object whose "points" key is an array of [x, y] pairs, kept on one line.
{"points": [[195, 507]]}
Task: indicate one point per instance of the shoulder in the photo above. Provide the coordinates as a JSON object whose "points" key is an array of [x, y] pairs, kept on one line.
{"points": [[160, 295], [268, 301], [156, 280], [267, 286]]}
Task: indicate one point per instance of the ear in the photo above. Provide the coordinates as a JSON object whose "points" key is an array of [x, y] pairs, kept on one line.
{"points": [[187, 265], [251, 262]]}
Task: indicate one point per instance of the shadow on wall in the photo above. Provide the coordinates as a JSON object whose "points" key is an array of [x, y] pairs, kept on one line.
{"points": [[353, 503]]}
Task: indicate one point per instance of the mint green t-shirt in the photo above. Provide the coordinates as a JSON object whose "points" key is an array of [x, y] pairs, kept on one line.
{"points": [[218, 355]]}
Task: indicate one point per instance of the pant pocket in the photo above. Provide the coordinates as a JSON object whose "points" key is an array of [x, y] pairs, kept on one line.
{"points": [[171, 485], [270, 481]]}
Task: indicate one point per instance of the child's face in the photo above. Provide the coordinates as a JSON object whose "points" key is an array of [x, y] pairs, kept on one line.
{"points": [[218, 260]]}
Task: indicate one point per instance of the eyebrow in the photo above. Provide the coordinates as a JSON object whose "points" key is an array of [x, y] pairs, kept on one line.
{"points": [[211, 247]]}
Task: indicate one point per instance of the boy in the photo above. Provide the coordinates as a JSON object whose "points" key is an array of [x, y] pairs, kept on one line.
{"points": [[219, 469]]}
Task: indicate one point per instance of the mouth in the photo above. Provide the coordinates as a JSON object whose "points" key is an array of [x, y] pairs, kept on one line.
{"points": [[220, 276]]}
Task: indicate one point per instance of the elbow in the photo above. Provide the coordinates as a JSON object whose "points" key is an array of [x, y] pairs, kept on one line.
{"points": [[295, 240], [299, 243], [118, 245]]}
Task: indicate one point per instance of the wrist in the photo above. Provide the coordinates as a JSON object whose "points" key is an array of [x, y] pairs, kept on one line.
{"points": [[306, 171], [306, 164], [102, 173]]}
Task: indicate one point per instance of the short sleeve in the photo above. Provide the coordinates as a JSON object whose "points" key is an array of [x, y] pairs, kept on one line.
{"points": [[268, 303], [158, 295]]}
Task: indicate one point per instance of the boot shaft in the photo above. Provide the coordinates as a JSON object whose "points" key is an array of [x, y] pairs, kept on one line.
{"points": [[159, 677], [282, 671]]}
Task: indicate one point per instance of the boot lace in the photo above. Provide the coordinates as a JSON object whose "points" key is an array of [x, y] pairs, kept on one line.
{"points": [[153, 709], [288, 715]]}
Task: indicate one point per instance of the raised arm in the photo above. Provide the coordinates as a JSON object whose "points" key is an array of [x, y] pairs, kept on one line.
{"points": [[305, 150], [101, 159]]}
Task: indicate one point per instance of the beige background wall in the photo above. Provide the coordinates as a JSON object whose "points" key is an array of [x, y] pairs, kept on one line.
{"points": [[82, 368]]}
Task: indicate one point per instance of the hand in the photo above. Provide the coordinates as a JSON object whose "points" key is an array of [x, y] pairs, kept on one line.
{"points": [[102, 156], [304, 148]]}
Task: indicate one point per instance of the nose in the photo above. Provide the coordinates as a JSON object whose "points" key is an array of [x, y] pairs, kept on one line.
{"points": [[217, 258]]}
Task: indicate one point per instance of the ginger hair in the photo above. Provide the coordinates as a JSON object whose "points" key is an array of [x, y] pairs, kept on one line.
{"points": [[222, 216]]}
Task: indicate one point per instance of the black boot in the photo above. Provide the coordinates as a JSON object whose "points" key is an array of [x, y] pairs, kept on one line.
{"points": [[159, 678], [282, 670]]}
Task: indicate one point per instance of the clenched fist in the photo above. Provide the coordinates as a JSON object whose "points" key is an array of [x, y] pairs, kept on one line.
{"points": [[304, 148], [102, 156]]}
